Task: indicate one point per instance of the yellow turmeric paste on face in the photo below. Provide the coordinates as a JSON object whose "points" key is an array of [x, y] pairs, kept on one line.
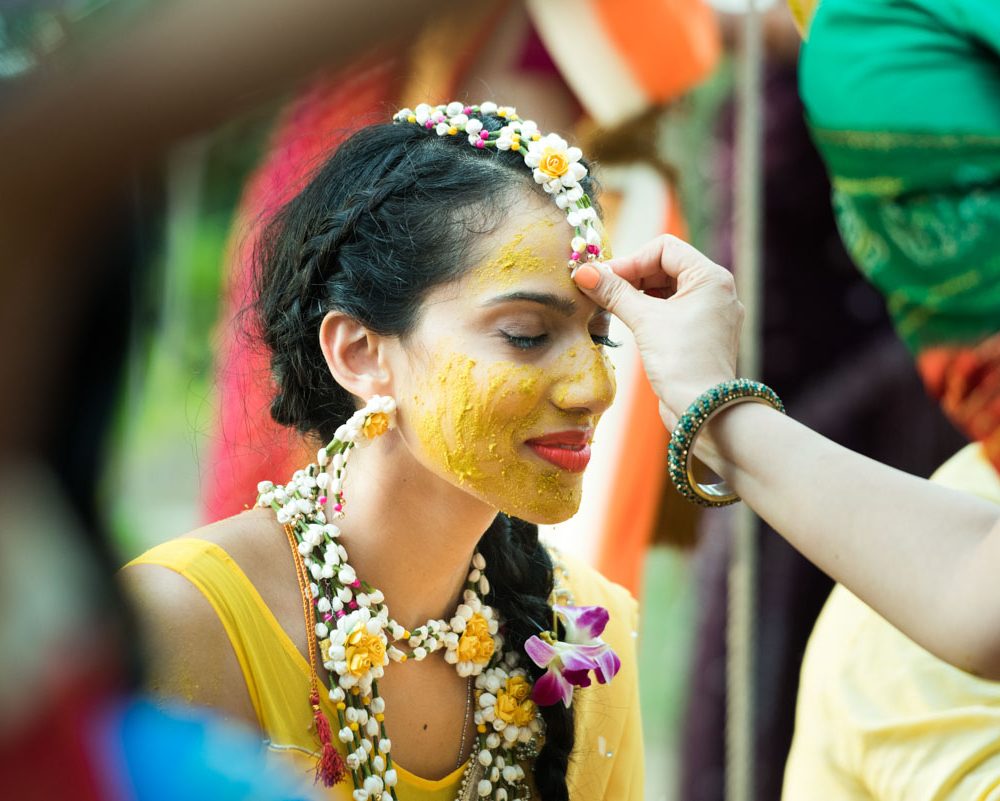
{"points": [[516, 261], [472, 421]]}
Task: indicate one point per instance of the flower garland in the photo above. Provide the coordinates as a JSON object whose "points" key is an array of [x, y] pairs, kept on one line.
{"points": [[357, 637], [553, 163]]}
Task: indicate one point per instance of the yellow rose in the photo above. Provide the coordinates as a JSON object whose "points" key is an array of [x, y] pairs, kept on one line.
{"points": [[363, 651], [525, 713], [513, 704], [519, 687], [476, 643], [554, 162], [375, 425]]}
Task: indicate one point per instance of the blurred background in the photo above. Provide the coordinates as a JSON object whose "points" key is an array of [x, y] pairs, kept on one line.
{"points": [[188, 438]]}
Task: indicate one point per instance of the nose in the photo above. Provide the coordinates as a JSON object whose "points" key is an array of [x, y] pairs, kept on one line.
{"points": [[586, 383]]}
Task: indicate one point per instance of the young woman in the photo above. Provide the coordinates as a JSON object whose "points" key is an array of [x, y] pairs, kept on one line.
{"points": [[397, 619]]}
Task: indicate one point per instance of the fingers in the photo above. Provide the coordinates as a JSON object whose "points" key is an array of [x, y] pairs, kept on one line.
{"points": [[665, 255], [611, 292]]}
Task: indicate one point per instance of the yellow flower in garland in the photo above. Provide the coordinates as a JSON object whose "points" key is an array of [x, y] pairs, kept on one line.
{"points": [[375, 425], [554, 163], [363, 651], [505, 707], [476, 644], [513, 704]]}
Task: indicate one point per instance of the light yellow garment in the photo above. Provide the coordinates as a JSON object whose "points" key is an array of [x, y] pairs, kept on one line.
{"points": [[879, 717], [607, 759]]}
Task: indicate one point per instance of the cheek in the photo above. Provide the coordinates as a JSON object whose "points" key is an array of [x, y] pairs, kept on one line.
{"points": [[470, 419]]}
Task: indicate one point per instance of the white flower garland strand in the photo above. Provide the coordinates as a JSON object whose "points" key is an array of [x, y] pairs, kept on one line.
{"points": [[357, 637], [553, 163]]}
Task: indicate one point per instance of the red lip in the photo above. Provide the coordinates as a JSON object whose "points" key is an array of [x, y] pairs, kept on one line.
{"points": [[567, 450]]}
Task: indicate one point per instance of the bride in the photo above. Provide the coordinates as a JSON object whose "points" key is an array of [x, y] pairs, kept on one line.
{"points": [[388, 617]]}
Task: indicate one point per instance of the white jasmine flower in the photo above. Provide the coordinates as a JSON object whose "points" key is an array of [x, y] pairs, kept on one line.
{"points": [[577, 217], [423, 113]]}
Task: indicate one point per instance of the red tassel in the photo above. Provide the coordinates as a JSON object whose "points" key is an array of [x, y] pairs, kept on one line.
{"points": [[331, 768]]}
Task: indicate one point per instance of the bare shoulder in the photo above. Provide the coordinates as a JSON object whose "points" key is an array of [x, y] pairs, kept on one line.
{"points": [[189, 656]]}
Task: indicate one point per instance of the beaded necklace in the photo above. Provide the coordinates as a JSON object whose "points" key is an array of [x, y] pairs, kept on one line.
{"points": [[356, 637]]}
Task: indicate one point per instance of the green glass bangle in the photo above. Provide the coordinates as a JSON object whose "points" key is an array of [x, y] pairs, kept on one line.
{"points": [[704, 408]]}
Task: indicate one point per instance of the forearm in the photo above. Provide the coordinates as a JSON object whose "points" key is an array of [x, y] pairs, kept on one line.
{"points": [[924, 556]]}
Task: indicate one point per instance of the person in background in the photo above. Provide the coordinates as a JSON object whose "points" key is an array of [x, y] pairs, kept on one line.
{"points": [[903, 103]]}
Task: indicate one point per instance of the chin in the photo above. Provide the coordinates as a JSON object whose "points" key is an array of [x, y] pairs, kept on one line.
{"points": [[546, 510]]}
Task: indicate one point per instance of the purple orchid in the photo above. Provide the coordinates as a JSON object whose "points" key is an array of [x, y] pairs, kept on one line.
{"points": [[569, 662]]}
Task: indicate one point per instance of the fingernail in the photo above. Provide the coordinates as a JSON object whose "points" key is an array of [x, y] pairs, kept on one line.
{"points": [[587, 276]]}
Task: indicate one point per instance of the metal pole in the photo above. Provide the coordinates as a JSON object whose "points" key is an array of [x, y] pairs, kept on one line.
{"points": [[741, 629]]}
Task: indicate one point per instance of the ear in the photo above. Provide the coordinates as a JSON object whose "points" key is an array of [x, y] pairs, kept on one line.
{"points": [[355, 356]]}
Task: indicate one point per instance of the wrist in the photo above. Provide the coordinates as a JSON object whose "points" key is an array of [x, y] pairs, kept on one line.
{"points": [[689, 438]]}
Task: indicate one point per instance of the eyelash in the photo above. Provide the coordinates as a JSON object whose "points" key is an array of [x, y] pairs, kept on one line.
{"points": [[527, 343]]}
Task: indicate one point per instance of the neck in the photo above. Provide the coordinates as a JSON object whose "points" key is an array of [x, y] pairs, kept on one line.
{"points": [[408, 532]]}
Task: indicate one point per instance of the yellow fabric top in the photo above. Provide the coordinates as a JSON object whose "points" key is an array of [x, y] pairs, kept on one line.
{"points": [[607, 760], [879, 717]]}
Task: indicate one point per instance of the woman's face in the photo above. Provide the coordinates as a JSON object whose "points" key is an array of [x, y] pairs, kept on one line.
{"points": [[505, 376]]}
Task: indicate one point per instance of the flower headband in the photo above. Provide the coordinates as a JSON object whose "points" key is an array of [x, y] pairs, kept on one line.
{"points": [[554, 164]]}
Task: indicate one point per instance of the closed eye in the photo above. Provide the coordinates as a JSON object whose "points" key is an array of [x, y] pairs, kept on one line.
{"points": [[605, 341], [525, 343]]}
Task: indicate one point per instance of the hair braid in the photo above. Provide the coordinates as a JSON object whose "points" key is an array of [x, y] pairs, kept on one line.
{"points": [[521, 581]]}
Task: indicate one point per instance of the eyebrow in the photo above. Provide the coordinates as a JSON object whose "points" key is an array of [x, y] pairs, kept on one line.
{"points": [[564, 306]]}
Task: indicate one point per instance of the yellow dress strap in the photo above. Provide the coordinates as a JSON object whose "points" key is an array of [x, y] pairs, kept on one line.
{"points": [[276, 675]]}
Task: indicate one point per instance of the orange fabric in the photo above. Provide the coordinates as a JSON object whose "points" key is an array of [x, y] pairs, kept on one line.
{"points": [[639, 481], [966, 381], [669, 45]]}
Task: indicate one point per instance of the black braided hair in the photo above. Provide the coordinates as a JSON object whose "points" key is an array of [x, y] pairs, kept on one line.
{"points": [[395, 212]]}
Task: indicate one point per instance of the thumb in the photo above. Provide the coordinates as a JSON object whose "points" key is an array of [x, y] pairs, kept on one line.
{"points": [[611, 292]]}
